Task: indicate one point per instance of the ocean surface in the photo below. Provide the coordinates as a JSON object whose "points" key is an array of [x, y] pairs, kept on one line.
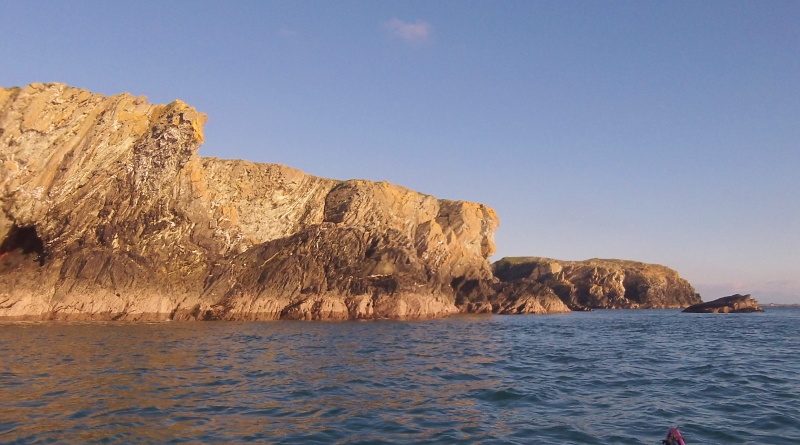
{"points": [[603, 377]]}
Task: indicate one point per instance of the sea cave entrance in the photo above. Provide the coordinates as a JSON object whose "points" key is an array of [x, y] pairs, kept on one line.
{"points": [[23, 241]]}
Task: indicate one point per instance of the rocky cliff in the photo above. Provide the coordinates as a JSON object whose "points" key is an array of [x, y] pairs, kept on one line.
{"points": [[107, 212], [596, 283], [732, 304]]}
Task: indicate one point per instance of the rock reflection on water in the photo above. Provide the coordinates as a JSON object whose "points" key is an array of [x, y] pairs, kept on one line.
{"points": [[618, 377], [236, 381]]}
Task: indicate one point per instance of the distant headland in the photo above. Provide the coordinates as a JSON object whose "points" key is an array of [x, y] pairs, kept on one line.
{"points": [[107, 212], [731, 304]]}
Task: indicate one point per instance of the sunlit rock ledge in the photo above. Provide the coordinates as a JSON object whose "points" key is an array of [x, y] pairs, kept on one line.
{"points": [[107, 212]]}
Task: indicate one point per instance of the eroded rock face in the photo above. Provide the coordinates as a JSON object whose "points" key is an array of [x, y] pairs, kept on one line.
{"points": [[107, 212], [515, 297], [597, 283], [732, 304]]}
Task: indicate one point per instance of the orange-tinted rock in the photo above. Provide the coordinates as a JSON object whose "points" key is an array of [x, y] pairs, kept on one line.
{"points": [[107, 212]]}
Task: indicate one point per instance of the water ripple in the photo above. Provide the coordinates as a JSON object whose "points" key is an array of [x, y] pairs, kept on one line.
{"points": [[618, 377]]}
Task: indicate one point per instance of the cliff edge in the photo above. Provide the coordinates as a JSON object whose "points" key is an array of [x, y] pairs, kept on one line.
{"points": [[108, 213]]}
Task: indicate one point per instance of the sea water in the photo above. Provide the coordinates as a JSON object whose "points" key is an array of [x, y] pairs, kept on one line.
{"points": [[602, 377]]}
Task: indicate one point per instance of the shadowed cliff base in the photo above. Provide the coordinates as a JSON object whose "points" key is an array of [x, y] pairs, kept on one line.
{"points": [[108, 213]]}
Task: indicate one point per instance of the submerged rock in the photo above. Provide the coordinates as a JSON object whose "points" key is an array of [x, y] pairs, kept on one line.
{"points": [[732, 304]]}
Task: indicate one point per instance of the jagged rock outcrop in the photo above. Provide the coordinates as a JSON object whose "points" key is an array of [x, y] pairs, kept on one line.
{"points": [[515, 297], [107, 212], [732, 304], [597, 283]]}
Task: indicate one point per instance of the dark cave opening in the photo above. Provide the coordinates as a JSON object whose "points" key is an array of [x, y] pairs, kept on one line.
{"points": [[24, 239]]}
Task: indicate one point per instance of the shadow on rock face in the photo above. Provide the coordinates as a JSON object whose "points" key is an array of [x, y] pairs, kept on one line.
{"points": [[25, 241]]}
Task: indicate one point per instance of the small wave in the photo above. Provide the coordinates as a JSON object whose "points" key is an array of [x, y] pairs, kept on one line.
{"points": [[587, 378]]}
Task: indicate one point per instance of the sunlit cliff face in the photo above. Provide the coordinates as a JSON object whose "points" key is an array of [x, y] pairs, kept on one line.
{"points": [[132, 221]]}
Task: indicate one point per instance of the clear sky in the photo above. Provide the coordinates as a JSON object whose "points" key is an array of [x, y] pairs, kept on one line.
{"points": [[658, 131]]}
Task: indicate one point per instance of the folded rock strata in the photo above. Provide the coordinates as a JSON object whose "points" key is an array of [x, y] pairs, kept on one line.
{"points": [[107, 212], [596, 283]]}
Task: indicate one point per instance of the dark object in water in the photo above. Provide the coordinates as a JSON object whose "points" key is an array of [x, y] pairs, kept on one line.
{"points": [[732, 304], [673, 438]]}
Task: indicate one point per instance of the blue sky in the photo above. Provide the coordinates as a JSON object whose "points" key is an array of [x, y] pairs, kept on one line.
{"points": [[664, 132]]}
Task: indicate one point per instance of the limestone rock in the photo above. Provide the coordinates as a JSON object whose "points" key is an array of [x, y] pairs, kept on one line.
{"points": [[597, 283], [731, 304], [107, 212]]}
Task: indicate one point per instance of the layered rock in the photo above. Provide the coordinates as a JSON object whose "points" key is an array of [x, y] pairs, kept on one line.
{"points": [[732, 304], [596, 283], [107, 212], [514, 297]]}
